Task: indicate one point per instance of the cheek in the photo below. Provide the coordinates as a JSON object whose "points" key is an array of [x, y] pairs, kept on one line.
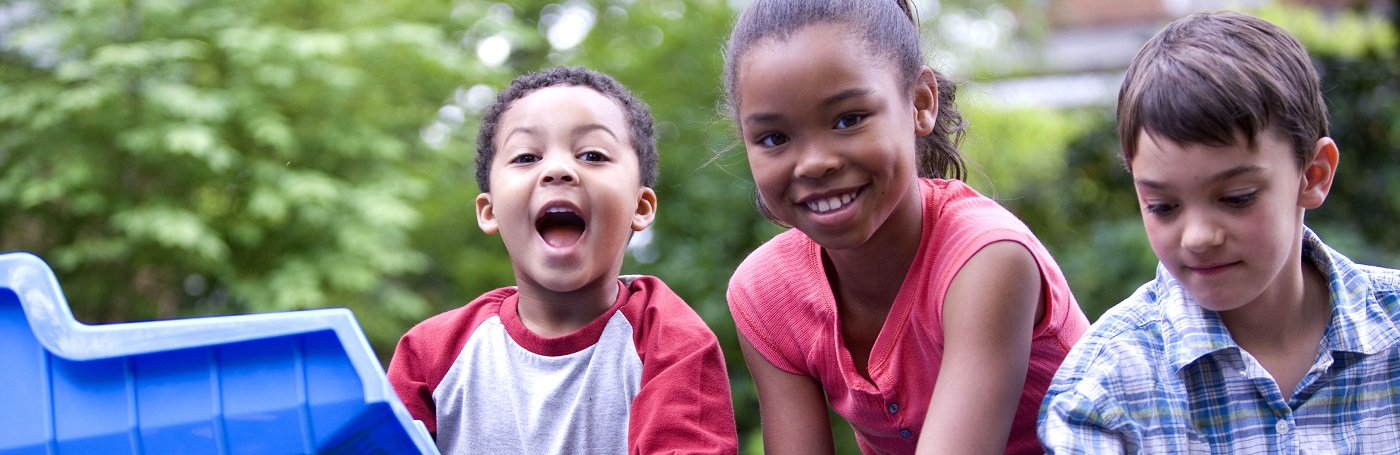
{"points": [[767, 196], [769, 182], [1278, 232], [767, 172], [1160, 236]]}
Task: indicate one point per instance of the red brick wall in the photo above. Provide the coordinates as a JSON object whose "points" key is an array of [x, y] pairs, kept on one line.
{"points": [[1085, 13]]}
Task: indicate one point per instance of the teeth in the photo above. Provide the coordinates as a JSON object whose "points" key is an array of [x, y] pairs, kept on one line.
{"points": [[831, 203], [558, 210]]}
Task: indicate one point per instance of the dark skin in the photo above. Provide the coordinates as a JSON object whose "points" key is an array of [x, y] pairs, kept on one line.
{"points": [[864, 304], [831, 139]]}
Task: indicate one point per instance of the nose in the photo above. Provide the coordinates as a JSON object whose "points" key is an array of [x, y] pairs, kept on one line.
{"points": [[816, 160], [1201, 233], [558, 171]]}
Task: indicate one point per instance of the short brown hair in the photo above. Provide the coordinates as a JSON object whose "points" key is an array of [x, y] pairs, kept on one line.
{"points": [[1209, 75]]}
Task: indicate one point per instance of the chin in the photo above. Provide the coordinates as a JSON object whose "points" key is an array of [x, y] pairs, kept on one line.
{"points": [[559, 286], [1217, 303], [562, 283], [843, 240]]}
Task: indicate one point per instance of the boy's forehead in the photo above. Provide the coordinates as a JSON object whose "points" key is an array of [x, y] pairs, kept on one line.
{"points": [[564, 105], [1159, 150]]}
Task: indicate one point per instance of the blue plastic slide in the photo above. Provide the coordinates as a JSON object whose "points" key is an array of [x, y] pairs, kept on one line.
{"points": [[276, 383]]}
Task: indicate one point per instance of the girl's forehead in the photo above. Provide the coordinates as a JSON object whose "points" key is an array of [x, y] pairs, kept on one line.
{"points": [[822, 34], [809, 63], [828, 44]]}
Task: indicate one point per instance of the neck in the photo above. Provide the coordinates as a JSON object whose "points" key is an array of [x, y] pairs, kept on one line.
{"points": [[551, 314], [873, 272]]}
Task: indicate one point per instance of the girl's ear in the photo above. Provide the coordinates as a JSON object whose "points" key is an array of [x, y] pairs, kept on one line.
{"points": [[646, 209], [1318, 174], [925, 102], [486, 215]]}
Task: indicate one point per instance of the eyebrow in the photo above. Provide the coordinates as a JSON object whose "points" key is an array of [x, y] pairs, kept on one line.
{"points": [[1218, 177], [526, 130], [578, 131], [764, 117], [591, 127]]}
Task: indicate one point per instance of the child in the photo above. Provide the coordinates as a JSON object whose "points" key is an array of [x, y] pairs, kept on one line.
{"points": [[573, 359], [927, 314], [1255, 336]]}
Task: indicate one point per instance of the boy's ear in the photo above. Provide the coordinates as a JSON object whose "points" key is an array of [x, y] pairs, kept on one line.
{"points": [[646, 209], [486, 214], [1318, 174], [925, 102]]}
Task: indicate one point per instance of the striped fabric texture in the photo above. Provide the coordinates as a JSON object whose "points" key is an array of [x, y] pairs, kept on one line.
{"points": [[1159, 374]]}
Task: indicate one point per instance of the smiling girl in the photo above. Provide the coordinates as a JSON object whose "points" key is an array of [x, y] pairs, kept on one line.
{"points": [[921, 311]]}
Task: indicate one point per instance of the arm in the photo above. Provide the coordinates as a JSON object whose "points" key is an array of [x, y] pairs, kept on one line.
{"points": [[684, 405], [792, 408], [411, 387], [989, 313], [1072, 423]]}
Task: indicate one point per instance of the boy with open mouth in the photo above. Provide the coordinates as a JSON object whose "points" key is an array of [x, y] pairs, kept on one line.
{"points": [[573, 358]]}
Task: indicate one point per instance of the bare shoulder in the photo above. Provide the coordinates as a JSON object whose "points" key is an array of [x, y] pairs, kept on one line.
{"points": [[1003, 272]]}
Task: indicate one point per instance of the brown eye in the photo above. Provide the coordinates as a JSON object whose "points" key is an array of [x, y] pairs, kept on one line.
{"points": [[849, 120], [772, 140], [1242, 200], [1160, 209]]}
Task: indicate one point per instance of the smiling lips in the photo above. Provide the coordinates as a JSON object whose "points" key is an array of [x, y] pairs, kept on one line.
{"points": [[828, 204], [560, 227]]}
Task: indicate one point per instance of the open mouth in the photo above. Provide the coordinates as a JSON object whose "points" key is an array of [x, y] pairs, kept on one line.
{"points": [[560, 227], [831, 203]]}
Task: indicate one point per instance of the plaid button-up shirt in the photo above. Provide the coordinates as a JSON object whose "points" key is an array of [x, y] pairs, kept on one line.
{"points": [[1159, 374]]}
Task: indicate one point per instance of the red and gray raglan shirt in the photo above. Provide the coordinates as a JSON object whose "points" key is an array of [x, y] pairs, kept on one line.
{"points": [[647, 376]]}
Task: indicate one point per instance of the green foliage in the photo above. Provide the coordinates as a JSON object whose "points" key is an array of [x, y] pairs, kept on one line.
{"points": [[186, 158], [177, 158], [1356, 56], [1003, 165], [1348, 34], [1059, 172]]}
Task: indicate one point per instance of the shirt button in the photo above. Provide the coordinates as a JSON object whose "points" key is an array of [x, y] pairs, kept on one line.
{"points": [[906, 433], [1282, 427], [894, 407]]}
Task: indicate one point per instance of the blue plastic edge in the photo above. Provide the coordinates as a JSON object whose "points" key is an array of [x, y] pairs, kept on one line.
{"points": [[64, 336]]}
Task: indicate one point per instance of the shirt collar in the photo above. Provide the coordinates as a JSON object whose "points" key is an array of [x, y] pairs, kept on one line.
{"points": [[1189, 331], [1359, 323]]}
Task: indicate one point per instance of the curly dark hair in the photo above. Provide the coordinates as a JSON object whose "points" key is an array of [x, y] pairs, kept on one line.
{"points": [[889, 31], [638, 117]]}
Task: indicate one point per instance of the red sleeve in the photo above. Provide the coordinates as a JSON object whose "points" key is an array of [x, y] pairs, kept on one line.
{"points": [[781, 303], [413, 388], [684, 405], [428, 350]]}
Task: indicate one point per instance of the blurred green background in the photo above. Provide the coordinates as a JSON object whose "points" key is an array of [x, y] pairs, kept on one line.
{"points": [[179, 158]]}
